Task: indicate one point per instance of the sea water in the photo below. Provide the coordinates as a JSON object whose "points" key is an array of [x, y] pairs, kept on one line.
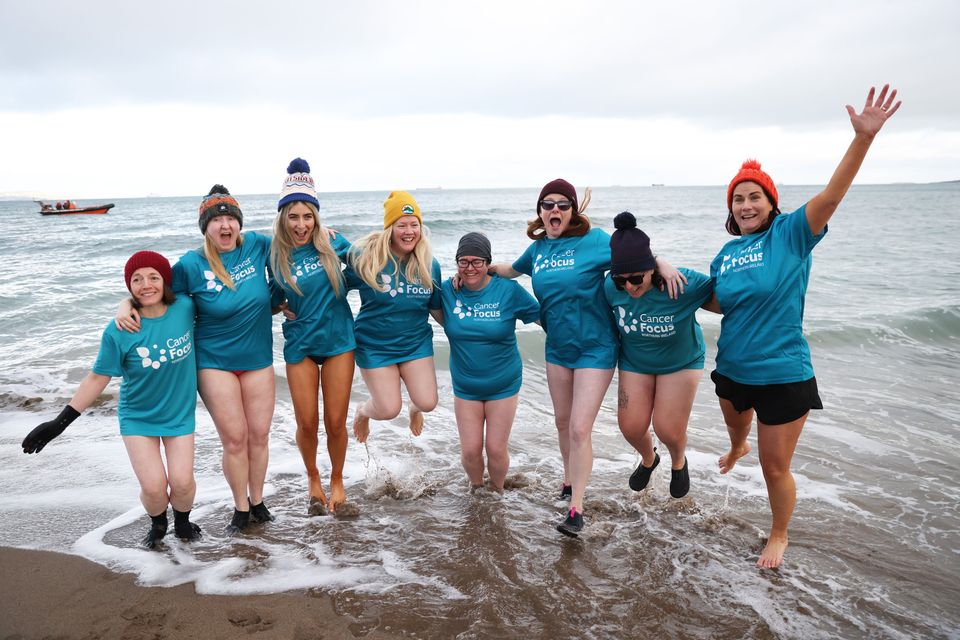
{"points": [[875, 538]]}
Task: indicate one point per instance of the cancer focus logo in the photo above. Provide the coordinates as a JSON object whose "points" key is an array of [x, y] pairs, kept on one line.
{"points": [[625, 320], [388, 286], [147, 361], [212, 282], [461, 310], [555, 261]]}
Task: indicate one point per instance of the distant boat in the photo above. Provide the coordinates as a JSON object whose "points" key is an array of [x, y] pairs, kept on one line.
{"points": [[71, 208], [657, 184]]}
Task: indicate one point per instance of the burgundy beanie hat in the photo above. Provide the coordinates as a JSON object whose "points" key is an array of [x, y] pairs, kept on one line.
{"points": [[629, 247], [142, 259], [562, 187]]}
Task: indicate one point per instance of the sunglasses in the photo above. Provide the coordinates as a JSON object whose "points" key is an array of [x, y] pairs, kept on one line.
{"points": [[479, 263], [548, 205], [635, 280]]}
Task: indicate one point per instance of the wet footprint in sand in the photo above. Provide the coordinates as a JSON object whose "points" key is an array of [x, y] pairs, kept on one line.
{"points": [[249, 620]]}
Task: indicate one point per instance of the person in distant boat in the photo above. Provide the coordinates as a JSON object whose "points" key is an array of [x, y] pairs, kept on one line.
{"points": [[399, 283], [59, 206], [70, 204], [567, 261], [318, 334], [480, 321], [227, 279], [158, 395], [661, 352], [760, 279]]}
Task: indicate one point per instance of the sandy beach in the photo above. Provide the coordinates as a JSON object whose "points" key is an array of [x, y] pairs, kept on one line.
{"points": [[53, 595]]}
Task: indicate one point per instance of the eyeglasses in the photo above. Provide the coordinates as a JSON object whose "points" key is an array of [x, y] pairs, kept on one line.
{"points": [[635, 280], [479, 263], [548, 205]]}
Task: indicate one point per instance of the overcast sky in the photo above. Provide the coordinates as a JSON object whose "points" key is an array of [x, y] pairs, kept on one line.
{"points": [[113, 99]]}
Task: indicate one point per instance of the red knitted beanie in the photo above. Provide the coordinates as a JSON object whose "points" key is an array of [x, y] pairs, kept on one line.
{"points": [[750, 171], [142, 259]]}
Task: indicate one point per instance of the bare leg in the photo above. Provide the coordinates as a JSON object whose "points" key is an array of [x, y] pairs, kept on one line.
{"points": [[635, 396], [777, 444], [383, 384], [499, 416], [259, 396], [336, 376], [470, 426], [560, 383], [179, 452], [303, 378], [738, 428], [588, 389], [420, 379], [144, 454], [220, 391], [672, 406]]}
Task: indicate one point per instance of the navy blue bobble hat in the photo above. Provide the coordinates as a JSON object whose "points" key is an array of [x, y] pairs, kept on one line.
{"points": [[629, 247]]}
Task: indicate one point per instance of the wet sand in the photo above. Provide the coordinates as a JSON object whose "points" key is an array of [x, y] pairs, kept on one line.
{"points": [[52, 595]]}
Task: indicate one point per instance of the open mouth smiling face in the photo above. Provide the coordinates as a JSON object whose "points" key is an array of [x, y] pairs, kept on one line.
{"points": [[555, 219], [405, 235], [300, 223], [224, 231], [750, 206]]}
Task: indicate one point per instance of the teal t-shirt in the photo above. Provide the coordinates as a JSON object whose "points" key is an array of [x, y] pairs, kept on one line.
{"points": [[392, 325], [158, 367], [761, 281], [324, 324], [481, 327], [659, 335], [567, 276], [234, 326]]}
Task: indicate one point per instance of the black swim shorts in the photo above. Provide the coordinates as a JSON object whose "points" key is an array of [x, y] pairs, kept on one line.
{"points": [[774, 403]]}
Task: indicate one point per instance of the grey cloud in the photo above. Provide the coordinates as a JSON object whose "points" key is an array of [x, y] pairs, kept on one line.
{"points": [[741, 63]]}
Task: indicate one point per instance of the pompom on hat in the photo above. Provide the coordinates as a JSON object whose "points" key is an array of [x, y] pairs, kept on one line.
{"points": [[750, 171], [398, 205], [218, 202], [562, 187], [629, 247], [142, 259], [298, 186]]}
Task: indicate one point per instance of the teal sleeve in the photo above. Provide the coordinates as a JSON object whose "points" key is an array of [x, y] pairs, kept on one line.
{"points": [[435, 302], [524, 264]]}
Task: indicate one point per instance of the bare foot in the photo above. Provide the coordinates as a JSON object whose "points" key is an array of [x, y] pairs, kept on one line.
{"points": [[361, 427], [730, 458], [772, 554], [337, 495], [416, 421], [316, 507]]}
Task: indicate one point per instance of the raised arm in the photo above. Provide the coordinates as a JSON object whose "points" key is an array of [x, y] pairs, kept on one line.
{"points": [[866, 125]]}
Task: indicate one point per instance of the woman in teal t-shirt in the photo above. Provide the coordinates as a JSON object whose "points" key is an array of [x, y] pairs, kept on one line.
{"points": [[228, 280], [661, 352], [567, 262], [318, 334], [763, 361], [158, 395], [399, 284], [480, 320]]}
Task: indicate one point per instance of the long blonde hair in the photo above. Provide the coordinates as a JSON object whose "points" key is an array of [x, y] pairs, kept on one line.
{"points": [[212, 254], [369, 257], [282, 247]]}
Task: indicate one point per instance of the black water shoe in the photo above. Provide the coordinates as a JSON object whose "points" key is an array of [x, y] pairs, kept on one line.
{"points": [[640, 478], [572, 525], [680, 481]]}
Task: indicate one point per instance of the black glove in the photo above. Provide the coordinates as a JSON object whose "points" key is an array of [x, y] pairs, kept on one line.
{"points": [[37, 439]]}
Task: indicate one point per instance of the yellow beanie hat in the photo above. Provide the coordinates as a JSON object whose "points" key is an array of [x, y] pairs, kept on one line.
{"points": [[397, 205]]}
